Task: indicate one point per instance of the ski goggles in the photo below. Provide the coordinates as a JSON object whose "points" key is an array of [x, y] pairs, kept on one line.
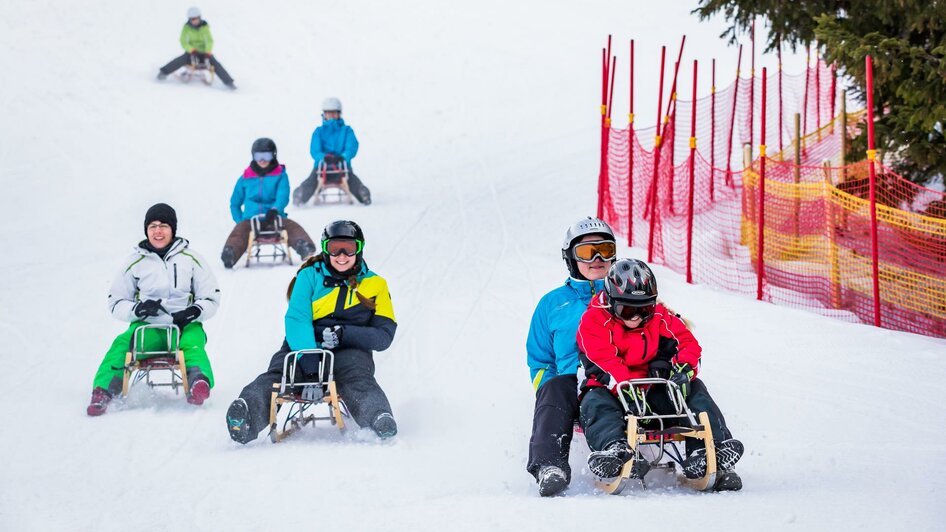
{"points": [[628, 312], [263, 156], [588, 251], [347, 246]]}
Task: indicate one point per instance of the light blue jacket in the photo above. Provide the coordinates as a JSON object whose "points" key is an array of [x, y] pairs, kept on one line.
{"points": [[333, 136], [255, 194], [552, 348]]}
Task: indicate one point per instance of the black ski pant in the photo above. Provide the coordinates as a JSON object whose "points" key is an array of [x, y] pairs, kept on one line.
{"points": [[556, 410], [304, 191], [185, 59], [602, 416], [354, 380]]}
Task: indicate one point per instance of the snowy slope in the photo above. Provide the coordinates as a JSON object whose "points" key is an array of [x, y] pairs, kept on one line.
{"points": [[478, 125]]}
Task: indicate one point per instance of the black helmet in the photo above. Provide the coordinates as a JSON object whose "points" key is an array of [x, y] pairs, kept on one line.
{"points": [[585, 226], [342, 229], [263, 144], [631, 283]]}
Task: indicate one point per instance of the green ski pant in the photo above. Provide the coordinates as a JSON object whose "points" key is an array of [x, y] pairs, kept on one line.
{"points": [[193, 340]]}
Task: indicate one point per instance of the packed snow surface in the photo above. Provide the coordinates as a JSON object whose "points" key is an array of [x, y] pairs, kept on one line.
{"points": [[478, 124]]}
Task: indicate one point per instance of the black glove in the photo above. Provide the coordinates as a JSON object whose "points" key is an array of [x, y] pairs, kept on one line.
{"points": [[183, 317], [331, 337], [308, 364], [148, 308], [681, 375], [659, 369], [331, 158], [271, 216], [666, 348]]}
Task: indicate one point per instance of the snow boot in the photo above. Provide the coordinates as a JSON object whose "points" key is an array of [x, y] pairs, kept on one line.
{"points": [[238, 422], [728, 452], [99, 403], [608, 463], [227, 257], [231, 86], [552, 480], [162, 76], [384, 426], [728, 481], [200, 391], [364, 196], [304, 249]]}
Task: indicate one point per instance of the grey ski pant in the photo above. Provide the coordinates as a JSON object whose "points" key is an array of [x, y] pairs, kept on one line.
{"points": [[354, 379]]}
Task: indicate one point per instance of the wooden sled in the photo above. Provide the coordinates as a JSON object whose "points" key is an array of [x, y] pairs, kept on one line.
{"points": [[197, 69], [332, 186], [276, 238], [290, 392], [662, 438], [139, 363]]}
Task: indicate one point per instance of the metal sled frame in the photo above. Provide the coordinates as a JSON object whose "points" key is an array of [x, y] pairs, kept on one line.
{"points": [[277, 238], [140, 363], [330, 191], [288, 391], [194, 68], [664, 437]]}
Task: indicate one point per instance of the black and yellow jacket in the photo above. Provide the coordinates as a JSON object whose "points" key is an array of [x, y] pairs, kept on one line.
{"points": [[319, 300]]}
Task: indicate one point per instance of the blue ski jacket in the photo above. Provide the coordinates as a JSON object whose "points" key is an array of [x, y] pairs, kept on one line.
{"points": [[552, 347], [256, 194], [333, 136]]}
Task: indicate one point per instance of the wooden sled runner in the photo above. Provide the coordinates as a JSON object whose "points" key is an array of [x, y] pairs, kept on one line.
{"points": [[200, 69], [139, 363], [666, 440], [332, 187], [300, 396]]}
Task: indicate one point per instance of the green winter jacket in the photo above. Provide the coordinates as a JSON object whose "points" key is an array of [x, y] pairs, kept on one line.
{"points": [[198, 38]]}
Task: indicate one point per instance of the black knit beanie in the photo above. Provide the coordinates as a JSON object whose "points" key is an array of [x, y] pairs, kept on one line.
{"points": [[161, 212]]}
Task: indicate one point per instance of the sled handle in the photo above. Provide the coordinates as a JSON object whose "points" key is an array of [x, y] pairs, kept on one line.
{"points": [[173, 339], [289, 372], [673, 393]]}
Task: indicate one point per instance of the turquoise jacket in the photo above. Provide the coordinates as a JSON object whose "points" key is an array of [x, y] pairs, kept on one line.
{"points": [[333, 136], [256, 194], [552, 347]]}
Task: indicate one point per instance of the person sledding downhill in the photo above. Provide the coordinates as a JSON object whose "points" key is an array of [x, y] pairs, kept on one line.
{"points": [[198, 46], [552, 351], [627, 334], [262, 191], [335, 303], [333, 146], [162, 282]]}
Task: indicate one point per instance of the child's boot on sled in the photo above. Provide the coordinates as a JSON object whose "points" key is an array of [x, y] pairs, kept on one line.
{"points": [[728, 452], [607, 463], [99, 403]]}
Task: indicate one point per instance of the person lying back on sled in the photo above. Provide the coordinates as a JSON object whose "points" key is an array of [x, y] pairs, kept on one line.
{"points": [[626, 334], [333, 145], [198, 46], [163, 281], [335, 303], [263, 188]]}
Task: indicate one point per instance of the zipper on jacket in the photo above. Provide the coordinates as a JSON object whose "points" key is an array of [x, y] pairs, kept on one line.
{"points": [[644, 354], [175, 275]]}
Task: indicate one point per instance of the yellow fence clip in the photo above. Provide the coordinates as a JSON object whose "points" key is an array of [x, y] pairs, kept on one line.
{"points": [[657, 141], [673, 96], [713, 89], [692, 143], [604, 110], [871, 155], [607, 122], [761, 150], [630, 118], [666, 119]]}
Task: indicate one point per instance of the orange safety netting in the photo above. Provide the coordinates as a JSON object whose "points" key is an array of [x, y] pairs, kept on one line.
{"points": [[817, 236]]}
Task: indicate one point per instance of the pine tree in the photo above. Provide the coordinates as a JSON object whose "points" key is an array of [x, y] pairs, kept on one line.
{"points": [[907, 41]]}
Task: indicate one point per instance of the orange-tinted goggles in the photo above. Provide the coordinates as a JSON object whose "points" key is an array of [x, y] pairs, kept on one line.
{"points": [[587, 251], [338, 246]]}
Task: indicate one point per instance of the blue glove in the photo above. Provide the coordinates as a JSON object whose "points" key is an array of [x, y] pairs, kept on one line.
{"points": [[681, 375], [331, 337]]}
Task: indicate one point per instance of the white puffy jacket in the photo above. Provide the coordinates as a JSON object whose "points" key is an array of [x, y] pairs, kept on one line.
{"points": [[182, 278]]}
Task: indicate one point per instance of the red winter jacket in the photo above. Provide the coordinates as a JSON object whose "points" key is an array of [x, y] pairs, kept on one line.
{"points": [[611, 353]]}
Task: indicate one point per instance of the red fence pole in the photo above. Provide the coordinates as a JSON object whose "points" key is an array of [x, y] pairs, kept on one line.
{"points": [[712, 180], [761, 265], [602, 172], [871, 156], [653, 183], [752, 90], [834, 87], [804, 107], [692, 180], [781, 108], [817, 90], [670, 119], [732, 121], [630, 164]]}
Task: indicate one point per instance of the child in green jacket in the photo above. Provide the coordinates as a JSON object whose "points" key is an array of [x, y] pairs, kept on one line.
{"points": [[198, 46]]}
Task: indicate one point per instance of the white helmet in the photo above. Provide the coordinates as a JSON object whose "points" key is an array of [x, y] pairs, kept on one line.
{"points": [[332, 104], [193, 12]]}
